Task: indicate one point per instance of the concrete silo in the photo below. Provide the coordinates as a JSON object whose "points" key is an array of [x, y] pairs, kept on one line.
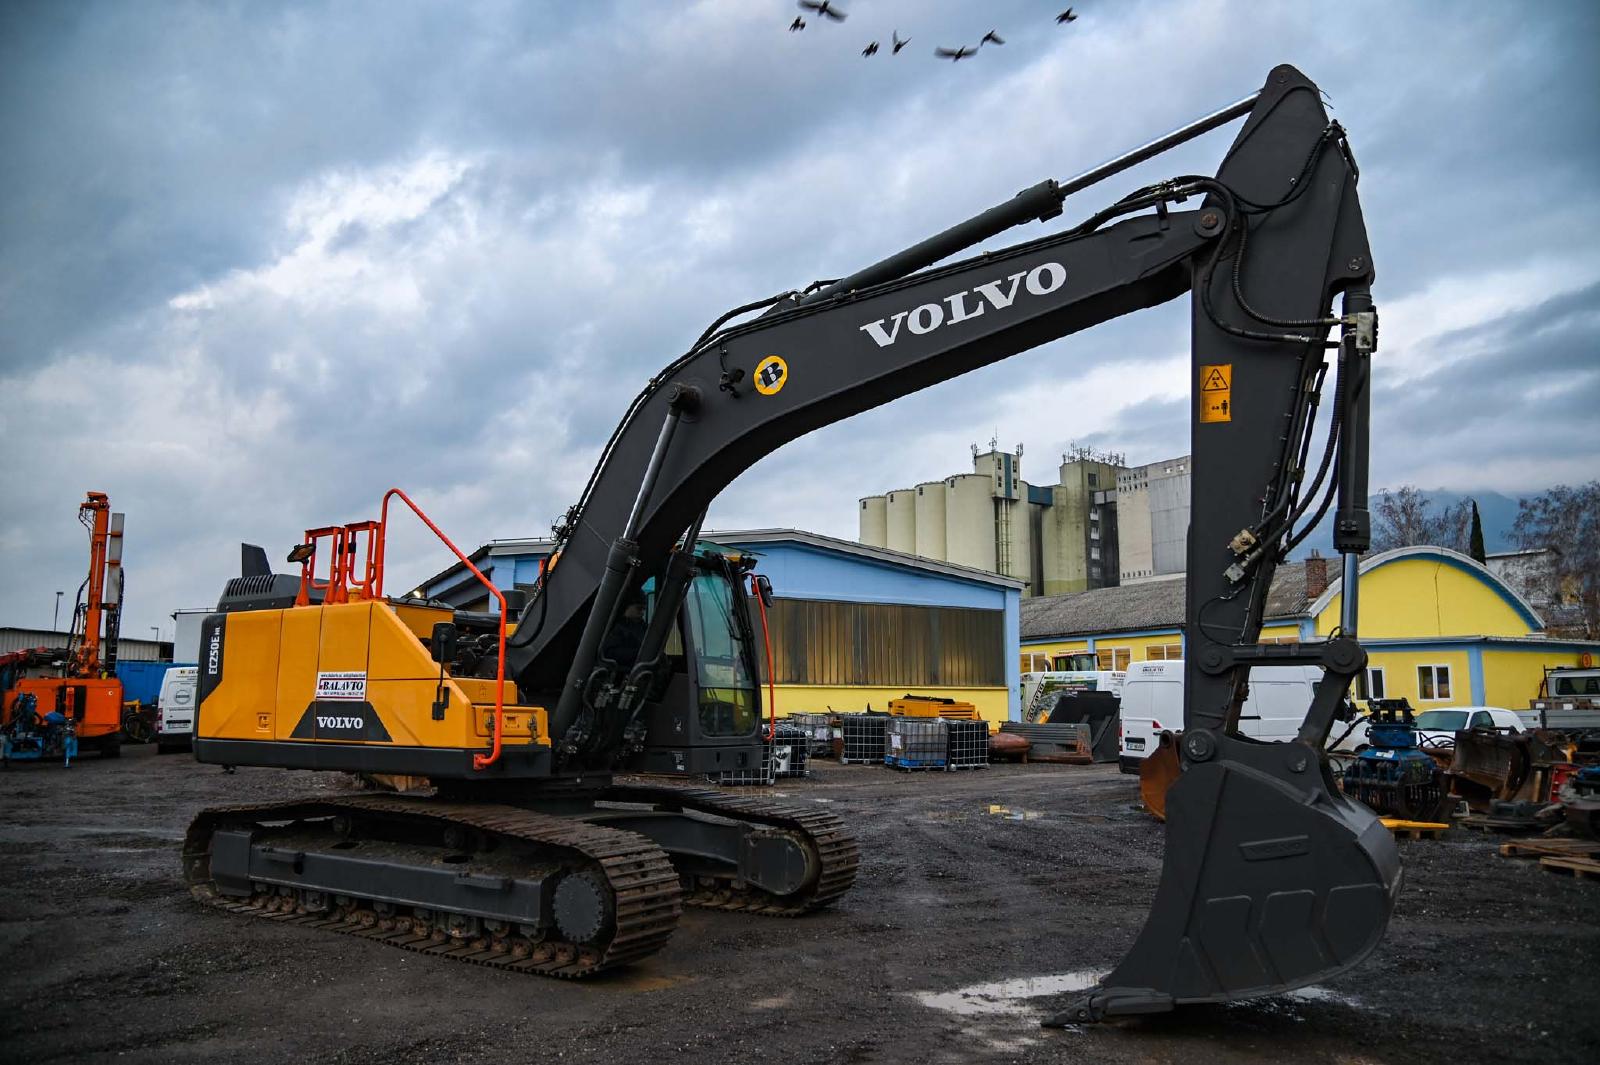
{"points": [[969, 520], [1013, 531], [930, 520], [902, 523], [874, 518]]}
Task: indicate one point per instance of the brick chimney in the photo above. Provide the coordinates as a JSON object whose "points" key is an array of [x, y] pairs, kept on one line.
{"points": [[1316, 575]]}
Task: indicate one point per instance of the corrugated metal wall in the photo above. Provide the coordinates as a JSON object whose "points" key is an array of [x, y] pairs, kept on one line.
{"points": [[876, 644]]}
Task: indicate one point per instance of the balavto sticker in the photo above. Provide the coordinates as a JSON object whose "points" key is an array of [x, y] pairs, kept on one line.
{"points": [[349, 684], [772, 373]]}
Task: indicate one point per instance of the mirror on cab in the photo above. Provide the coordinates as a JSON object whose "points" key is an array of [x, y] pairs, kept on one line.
{"points": [[445, 639]]}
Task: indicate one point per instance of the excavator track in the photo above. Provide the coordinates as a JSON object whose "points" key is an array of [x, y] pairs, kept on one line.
{"points": [[830, 845], [645, 904]]}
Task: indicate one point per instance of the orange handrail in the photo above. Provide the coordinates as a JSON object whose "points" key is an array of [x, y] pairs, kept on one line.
{"points": [[478, 761], [332, 589]]}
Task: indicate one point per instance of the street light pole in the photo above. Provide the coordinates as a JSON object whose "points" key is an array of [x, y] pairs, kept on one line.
{"points": [[55, 622]]}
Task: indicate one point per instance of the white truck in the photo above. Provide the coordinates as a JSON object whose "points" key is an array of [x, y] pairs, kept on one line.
{"points": [[175, 710], [1152, 703]]}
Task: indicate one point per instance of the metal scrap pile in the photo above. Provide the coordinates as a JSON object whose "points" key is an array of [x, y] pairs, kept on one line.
{"points": [[1537, 778]]}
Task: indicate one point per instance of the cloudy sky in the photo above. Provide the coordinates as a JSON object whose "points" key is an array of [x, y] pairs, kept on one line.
{"points": [[259, 262]]}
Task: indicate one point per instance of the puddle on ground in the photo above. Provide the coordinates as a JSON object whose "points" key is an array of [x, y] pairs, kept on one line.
{"points": [[996, 810], [1008, 997], [645, 982], [1315, 993], [21, 833], [774, 1002]]}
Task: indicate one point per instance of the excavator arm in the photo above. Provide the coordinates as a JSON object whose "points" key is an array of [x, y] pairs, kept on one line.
{"points": [[1272, 879]]}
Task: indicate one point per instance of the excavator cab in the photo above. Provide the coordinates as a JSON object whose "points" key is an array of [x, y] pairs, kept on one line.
{"points": [[707, 716]]}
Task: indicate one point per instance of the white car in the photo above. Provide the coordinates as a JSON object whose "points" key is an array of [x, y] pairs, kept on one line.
{"points": [[1438, 728], [175, 710]]}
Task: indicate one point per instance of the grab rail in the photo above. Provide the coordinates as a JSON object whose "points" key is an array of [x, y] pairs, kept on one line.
{"points": [[478, 761]]}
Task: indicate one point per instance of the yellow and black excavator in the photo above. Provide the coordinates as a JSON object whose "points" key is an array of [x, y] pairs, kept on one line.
{"points": [[633, 652]]}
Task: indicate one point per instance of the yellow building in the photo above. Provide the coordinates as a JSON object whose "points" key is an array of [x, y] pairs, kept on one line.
{"points": [[1439, 629]]}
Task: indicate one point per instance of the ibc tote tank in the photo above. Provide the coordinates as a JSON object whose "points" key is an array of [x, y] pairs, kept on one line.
{"points": [[969, 520], [930, 520], [903, 520], [874, 521]]}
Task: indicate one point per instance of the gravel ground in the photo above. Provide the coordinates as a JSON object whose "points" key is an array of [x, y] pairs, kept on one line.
{"points": [[107, 957]]}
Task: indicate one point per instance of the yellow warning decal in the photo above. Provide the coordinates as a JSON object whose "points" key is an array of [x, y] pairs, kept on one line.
{"points": [[1216, 393], [772, 373]]}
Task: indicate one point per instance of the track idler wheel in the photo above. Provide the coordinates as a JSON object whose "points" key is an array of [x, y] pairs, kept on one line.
{"points": [[1272, 880]]}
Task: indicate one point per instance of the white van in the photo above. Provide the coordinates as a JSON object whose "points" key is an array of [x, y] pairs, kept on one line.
{"points": [[1152, 703], [175, 709]]}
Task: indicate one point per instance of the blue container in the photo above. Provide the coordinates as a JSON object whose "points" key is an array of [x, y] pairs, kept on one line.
{"points": [[141, 681]]}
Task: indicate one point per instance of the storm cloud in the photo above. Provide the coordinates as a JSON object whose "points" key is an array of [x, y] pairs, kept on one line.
{"points": [[260, 262]]}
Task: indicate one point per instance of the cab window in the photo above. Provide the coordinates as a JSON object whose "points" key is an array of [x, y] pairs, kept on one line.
{"points": [[727, 688]]}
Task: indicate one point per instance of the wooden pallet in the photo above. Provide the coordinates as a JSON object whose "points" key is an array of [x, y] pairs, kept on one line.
{"points": [[1550, 848], [1580, 868], [1486, 823], [1404, 829]]}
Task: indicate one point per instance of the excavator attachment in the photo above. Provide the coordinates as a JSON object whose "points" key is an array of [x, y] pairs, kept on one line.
{"points": [[1157, 773], [1273, 880]]}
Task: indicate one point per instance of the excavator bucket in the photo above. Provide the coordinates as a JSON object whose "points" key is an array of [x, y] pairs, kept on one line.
{"points": [[1273, 880], [1157, 773]]}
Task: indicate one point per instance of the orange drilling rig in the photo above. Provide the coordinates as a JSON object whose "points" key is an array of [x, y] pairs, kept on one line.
{"points": [[78, 698]]}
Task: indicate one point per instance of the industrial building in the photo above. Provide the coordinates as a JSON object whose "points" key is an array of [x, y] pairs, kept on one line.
{"points": [[129, 649], [1101, 524], [1152, 506], [851, 626], [1439, 629]]}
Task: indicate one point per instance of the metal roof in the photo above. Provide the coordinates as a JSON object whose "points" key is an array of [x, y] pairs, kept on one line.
{"points": [[859, 550], [1158, 604], [538, 546], [1155, 604]]}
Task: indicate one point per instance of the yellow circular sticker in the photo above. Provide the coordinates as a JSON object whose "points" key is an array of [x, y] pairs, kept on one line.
{"points": [[771, 374]]}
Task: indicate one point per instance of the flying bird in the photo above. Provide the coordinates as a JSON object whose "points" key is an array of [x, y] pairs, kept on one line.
{"points": [[798, 24], [955, 54], [824, 7], [991, 38], [1067, 16], [898, 43], [871, 49]]}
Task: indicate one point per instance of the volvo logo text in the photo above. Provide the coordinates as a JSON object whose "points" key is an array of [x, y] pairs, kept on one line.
{"points": [[1040, 281]]}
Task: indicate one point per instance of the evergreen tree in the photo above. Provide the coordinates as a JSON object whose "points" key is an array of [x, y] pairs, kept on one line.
{"points": [[1475, 543]]}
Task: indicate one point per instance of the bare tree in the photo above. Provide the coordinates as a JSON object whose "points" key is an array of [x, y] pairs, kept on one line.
{"points": [[1406, 517], [1566, 522]]}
